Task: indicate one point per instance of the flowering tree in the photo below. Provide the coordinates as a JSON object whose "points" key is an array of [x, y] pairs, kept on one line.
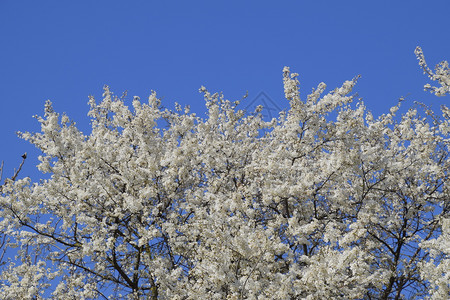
{"points": [[325, 202]]}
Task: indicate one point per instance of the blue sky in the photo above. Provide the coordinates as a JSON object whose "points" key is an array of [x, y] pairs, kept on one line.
{"points": [[67, 50]]}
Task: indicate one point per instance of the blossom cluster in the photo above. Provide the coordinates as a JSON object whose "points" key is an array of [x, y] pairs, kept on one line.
{"points": [[324, 202]]}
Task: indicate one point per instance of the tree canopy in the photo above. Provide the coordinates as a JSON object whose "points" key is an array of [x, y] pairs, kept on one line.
{"points": [[324, 202]]}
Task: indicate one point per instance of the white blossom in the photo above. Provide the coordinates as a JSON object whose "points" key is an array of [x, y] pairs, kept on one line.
{"points": [[325, 202]]}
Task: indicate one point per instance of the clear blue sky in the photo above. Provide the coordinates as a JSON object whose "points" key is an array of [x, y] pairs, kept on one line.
{"points": [[67, 50]]}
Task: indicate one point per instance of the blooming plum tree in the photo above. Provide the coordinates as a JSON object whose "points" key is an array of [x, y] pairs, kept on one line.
{"points": [[324, 202]]}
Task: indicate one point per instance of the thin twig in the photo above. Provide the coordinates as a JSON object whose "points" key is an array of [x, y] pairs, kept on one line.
{"points": [[16, 173], [1, 171]]}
